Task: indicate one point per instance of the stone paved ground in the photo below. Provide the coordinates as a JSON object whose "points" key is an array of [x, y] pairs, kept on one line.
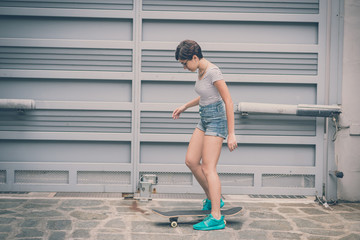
{"points": [[115, 219]]}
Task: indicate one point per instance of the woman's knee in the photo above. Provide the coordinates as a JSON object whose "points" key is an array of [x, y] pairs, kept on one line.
{"points": [[191, 163], [208, 170]]}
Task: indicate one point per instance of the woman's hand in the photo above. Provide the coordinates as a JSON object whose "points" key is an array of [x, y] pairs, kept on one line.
{"points": [[176, 112], [231, 142]]}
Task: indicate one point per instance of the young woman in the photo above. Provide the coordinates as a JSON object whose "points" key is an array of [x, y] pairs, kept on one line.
{"points": [[216, 124]]}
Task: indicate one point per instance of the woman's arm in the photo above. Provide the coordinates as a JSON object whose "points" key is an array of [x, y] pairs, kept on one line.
{"points": [[192, 103], [229, 106]]}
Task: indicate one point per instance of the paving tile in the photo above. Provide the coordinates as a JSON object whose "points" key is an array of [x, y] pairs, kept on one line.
{"points": [[6, 220], [251, 234], [57, 236], [30, 233], [44, 201], [35, 213], [352, 205], [5, 228], [324, 219], [86, 224], [313, 211], [319, 238], [59, 224], [9, 205], [288, 210], [137, 236], [149, 227], [258, 205], [286, 235], [109, 236], [305, 223], [31, 223], [215, 235], [2, 200], [6, 212], [351, 216], [352, 236], [235, 224], [265, 215], [83, 203], [37, 205], [81, 233], [115, 223], [323, 232], [88, 215], [353, 226], [299, 205], [4, 236], [342, 208], [271, 225]]}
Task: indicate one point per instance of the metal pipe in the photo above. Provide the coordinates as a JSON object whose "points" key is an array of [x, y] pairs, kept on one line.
{"points": [[299, 110], [247, 107], [17, 103]]}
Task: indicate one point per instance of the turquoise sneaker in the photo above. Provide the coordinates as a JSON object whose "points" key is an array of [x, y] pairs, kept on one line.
{"points": [[207, 204], [210, 223]]}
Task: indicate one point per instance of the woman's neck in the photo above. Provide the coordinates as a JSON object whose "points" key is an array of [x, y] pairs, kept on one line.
{"points": [[203, 64]]}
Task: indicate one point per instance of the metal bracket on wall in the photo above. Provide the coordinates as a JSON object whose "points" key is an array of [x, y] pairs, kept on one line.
{"points": [[146, 186], [337, 174], [338, 127]]}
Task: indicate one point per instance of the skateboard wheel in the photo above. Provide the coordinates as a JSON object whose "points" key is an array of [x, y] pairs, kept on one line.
{"points": [[173, 224], [225, 221]]}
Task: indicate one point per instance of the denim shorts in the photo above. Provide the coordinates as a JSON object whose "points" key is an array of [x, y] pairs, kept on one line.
{"points": [[213, 120]]}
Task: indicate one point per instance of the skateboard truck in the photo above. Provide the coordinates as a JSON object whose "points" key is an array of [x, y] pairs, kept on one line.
{"points": [[145, 186], [174, 222]]}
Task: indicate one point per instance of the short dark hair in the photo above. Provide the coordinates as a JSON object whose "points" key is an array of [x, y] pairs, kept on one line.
{"points": [[187, 49]]}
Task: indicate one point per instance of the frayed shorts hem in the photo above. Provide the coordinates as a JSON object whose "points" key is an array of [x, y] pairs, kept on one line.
{"points": [[212, 134]]}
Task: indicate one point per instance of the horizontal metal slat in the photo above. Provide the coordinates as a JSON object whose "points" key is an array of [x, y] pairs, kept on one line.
{"points": [[12, 119], [61, 59], [67, 68], [65, 121], [167, 115], [68, 57], [233, 6], [65, 62], [52, 129], [238, 62], [66, 50], [55, 124], [59, 113], [69, 4]]}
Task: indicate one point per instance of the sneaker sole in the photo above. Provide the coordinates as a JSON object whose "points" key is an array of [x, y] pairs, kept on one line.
{"points": [[211, 228]]}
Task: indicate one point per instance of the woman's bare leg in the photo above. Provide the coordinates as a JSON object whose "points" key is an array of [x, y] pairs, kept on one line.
{"points": [[193, 159], [210, 156]]}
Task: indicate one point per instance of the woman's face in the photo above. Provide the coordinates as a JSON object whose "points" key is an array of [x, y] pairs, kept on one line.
{"points": [[191, 65]]}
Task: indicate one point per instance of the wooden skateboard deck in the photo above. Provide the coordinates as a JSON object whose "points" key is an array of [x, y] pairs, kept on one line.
{"points": [[174, 215]]}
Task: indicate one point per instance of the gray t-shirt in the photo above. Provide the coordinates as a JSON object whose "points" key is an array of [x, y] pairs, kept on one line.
{"points": [[205, 87]]}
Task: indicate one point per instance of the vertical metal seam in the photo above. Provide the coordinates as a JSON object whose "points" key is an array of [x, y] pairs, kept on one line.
{"points": [[137, 22]]}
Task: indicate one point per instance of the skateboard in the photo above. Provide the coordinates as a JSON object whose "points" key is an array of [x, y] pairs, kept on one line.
{"points": [[174, 215]]}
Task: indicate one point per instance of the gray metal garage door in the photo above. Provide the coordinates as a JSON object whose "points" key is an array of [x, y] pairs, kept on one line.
{"points": [[104, 80]]}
